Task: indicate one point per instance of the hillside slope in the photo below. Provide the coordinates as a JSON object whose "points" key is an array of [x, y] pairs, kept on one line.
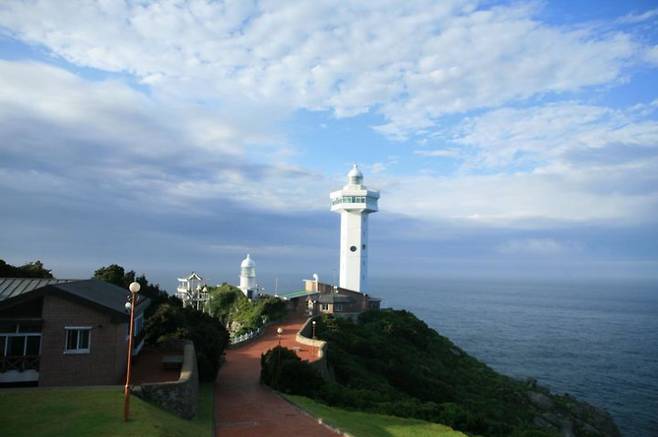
{"points": [[391, 362]]}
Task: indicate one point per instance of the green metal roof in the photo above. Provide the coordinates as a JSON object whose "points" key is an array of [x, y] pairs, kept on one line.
{"points": [[287, 295], [95, 291]]}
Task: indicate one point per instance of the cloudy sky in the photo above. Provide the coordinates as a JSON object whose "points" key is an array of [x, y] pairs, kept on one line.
{"points": [[507, 138]]}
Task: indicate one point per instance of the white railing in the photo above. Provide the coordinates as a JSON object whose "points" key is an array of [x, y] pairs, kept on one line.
{"points": [[246, 336]]}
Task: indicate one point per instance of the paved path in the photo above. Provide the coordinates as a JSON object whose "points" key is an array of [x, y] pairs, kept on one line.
{"points": [[243, 407]]}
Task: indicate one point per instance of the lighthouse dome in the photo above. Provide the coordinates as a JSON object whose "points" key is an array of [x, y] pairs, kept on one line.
{"points": [[355, 176], [248, 262]]}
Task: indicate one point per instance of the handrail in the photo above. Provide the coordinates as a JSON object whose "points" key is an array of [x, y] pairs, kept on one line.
{"points": [[246, 336]]}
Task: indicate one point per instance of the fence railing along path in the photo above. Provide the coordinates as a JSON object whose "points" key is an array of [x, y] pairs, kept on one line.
{"points": [[246, 336]]}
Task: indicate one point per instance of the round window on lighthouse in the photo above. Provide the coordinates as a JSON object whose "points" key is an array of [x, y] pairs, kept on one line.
{"points": [[353, 248]]}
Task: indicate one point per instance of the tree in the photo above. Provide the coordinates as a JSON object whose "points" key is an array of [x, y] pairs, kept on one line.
{"points": [[30, 270], [283, 370], [207, 333], [229, 304], [222, 300], [115, 274]]}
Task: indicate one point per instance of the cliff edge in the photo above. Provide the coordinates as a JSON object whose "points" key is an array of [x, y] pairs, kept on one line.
{"points": [[391, 362]]}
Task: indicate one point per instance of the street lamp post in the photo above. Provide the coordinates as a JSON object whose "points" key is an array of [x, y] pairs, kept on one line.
{"points": [[134, 289], [314, 322], [279, 331]]}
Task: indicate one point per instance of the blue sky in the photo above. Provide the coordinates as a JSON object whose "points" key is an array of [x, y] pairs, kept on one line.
{"points": [[514, 139]]}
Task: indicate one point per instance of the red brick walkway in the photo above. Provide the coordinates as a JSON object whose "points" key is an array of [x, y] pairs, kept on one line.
{"points": [[243, 407]]}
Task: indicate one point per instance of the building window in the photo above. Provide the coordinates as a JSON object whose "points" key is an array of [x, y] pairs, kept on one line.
{"points": [[33, 345], [16, 346], [78, 340], [325, 307], [338, 307], [20, 340]]}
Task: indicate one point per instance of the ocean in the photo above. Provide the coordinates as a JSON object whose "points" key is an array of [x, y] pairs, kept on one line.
{"points": [[595, 340]]}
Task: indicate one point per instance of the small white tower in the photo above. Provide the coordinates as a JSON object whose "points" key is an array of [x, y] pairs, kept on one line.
{"points": [[192, 291], [354, 202], [248, 277]]}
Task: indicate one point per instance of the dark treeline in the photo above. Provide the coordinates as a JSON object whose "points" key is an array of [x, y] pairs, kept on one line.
{"points": [[30, 270]]}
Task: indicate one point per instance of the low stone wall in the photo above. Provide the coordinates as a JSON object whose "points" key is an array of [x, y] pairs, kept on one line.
{"points": [[180, 397], [304, 336]]}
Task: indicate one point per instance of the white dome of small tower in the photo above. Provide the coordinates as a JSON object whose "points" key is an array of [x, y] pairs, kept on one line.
{"points": [[248, 283], [248, 262], [355, 177]]}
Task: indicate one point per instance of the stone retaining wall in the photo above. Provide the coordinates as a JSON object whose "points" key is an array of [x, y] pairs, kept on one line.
{"points": [[180, 397], [304, 336]]}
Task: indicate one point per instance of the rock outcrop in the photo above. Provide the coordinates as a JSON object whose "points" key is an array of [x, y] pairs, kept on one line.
{"points": [[568, 416]]}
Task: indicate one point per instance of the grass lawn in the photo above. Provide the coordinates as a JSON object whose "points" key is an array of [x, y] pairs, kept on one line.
{"points": [[372, 425], [95, 412]]}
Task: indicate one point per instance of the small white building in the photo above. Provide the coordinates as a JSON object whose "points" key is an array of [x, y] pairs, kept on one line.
{"points": [[248, 283], [354, 202], [192, 291]]}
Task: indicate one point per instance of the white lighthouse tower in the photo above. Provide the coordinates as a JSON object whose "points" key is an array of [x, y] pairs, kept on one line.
{"points": [[248, 277], [354, 202]]}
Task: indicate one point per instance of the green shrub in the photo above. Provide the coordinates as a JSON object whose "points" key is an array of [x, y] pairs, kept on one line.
{"points": [[240, 314], [283, 370], [208, 334]]}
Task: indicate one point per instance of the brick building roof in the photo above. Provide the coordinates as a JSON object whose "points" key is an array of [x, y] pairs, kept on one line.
{"points": [[99, 293]]}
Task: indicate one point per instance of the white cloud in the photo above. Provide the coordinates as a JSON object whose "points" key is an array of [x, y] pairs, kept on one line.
{"points": [[83, 137], [263, 249], [64, 136], [438, 153], [413, 62], [541, 134], [547, 197], [540, 166], [380, 167], [636, 17], [251, 64], [651, 55], [536, 246]]}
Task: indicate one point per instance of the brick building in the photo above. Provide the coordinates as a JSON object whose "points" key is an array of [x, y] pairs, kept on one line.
{"points": [[320, 298], [57, 332]]}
